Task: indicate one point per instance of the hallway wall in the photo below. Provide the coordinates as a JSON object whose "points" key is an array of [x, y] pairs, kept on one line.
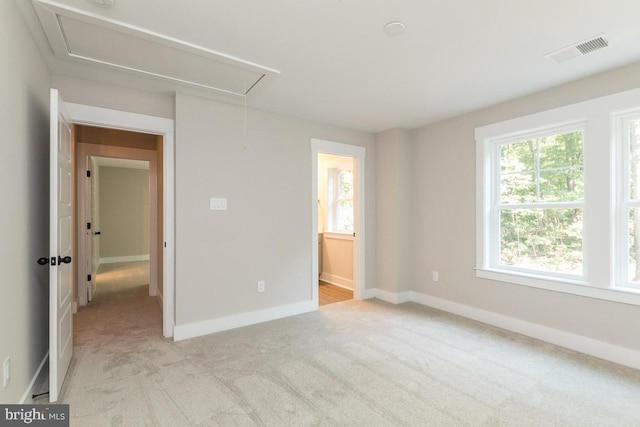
{"points": [[124, 212]]}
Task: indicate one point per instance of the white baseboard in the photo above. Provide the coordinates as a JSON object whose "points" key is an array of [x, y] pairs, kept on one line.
{"points": [[369, 293], [613, 353], [393, 298], [192, 330], [337, 280], [26, 397], [130, 258]]}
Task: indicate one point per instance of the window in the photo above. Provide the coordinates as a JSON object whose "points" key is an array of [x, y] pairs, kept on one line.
{"points": [[558, 199], [340, 200], [538, 211], [629, 220]]}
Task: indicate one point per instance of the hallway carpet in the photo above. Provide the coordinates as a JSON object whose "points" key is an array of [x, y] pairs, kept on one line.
{"points": [[357, 363]]}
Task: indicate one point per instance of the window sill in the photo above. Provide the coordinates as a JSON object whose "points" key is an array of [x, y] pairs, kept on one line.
{"points": [[567, 286], [338, 236]]}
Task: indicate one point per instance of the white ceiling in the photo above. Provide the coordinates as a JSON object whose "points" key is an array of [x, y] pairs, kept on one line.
{"points": [[337, 66]]}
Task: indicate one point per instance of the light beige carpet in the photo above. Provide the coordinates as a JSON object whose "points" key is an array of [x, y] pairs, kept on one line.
{"points": [[356, 363]]}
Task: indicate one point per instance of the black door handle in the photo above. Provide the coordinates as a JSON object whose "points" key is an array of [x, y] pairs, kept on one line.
{"points": [[96, 233], [61, 260]]}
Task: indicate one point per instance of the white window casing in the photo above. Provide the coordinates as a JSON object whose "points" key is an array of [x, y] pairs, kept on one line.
{"points": [[622, 121], [604, 238]]}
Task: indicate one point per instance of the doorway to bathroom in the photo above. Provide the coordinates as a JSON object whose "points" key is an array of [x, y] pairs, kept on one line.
{"points": [[338, 212], [335, 228]]}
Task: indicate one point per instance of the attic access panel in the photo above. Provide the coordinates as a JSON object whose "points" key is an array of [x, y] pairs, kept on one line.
{"points": [[75, 34]]}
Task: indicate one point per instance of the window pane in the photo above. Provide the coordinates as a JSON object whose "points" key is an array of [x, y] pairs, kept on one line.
{"points": [[345, 216], [546, 169], [517, 157], [345, 182], [557, 151], [542, 239], [634, 245], [562, 185], [518, 188], [634, 159]]}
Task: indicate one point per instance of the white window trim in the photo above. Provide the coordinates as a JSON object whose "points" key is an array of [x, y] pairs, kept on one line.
{"points": [[599, 116], [619, 120], [338, 236]]}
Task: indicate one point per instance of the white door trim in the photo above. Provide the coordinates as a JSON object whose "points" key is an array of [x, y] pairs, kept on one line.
{"points": [[358, 153], [103, 117]]}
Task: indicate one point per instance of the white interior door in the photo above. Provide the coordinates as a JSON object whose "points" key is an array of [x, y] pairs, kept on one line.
{"points": [[60, 247]]}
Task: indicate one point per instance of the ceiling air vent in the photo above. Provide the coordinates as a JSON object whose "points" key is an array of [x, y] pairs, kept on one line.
{"points": [[578, 49]]}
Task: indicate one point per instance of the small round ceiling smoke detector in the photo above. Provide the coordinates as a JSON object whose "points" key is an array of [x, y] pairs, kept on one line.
{"points": [[103, 3], [394, 28]]}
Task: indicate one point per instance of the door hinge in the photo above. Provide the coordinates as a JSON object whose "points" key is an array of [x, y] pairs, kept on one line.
{"points": [[88, 277], [88, 226], [88, 174]]}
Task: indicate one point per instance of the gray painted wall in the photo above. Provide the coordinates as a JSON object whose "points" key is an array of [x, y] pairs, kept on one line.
{"points": [[266, 232], [103, 95], [24, 191], [394, 209]]}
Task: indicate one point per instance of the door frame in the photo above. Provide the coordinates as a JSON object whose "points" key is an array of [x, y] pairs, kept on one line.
{"points": [[358, 154], [84, 151], [115, 119]]}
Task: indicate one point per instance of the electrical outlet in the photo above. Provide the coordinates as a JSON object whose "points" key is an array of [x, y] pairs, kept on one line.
{"points": [[261, 285], [435, 276], [6, 372]]}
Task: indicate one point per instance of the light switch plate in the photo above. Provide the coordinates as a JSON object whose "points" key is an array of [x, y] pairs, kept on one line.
{"points": [[218, 204]]}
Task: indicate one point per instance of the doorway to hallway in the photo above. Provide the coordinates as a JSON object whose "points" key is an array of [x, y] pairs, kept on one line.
{"points": [[120, 234], [163, 128]]}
